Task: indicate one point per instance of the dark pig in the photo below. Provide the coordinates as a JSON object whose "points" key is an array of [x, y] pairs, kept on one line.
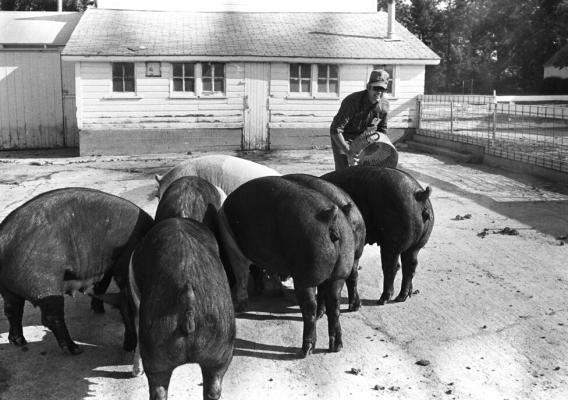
{"points": [[190, 197], [60, 241], [398, 216], [346, 204], [185, 309], [290, 230]]}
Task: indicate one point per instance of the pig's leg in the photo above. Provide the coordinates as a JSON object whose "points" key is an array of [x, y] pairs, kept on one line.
{"points": [[308, 304], [409, 261], [389, 263], [14, 310], [100, 288], [158, 383], [352, 292], [213, 380], [333, 302], [321, 301], [127, 312], [52, 316]]}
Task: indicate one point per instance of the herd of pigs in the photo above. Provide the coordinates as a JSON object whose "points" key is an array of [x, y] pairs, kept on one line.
{"points": [[183, 274]]}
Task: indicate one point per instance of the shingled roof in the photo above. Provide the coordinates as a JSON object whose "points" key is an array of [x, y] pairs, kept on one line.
{"points": [[221, 35]]}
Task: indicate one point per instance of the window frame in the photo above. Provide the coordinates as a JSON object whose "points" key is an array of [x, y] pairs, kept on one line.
{"points": [[313, 81], [183, 77], [123, 78], [198, 77]]}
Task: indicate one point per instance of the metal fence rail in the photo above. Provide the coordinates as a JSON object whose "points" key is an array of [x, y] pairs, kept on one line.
{"points": [[533, 134]]}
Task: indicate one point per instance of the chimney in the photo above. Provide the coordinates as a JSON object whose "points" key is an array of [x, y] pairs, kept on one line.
{"points": [[60, 5], [390, 25]]}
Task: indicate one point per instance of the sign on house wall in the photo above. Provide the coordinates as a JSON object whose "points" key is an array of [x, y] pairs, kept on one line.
{"points": [[244, 5]]}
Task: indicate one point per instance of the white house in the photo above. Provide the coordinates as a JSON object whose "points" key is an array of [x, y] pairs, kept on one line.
{"points": [[160, 81], [37, 99], [555, 67]]}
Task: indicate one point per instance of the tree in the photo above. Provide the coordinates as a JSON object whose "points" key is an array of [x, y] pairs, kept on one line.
{"points": [[43, 5]]}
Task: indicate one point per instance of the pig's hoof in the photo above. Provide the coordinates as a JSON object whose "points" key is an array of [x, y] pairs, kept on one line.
{"points": [[355, 305], [137, 371], [307, 349], [320, 312], [335, 345], [401, 298], [97, 306], [17, 340]]}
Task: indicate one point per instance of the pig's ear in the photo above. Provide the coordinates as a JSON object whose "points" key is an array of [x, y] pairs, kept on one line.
{"points": [[158, 178], [113, 299], [328, 215], [422, 195]]}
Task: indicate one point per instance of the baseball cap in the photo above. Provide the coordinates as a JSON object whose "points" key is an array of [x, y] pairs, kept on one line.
{"points": [[379, 77]]}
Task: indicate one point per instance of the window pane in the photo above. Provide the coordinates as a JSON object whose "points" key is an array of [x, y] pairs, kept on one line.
{"points": [[305, 86], [116, 70], [129, 85], [294, 70], [189, 86], [207, 85], [129, 70], [333, 87], [178, 69], [207, 70], [322, 70], [219, 87], [189, 69], [306, 70], [333, 71], [178, 85], [219, 70], [294, 87], [322, 86], [117, 85]]}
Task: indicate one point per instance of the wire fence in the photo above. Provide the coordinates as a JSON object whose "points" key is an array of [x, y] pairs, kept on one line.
{"points": [[533, 134]]}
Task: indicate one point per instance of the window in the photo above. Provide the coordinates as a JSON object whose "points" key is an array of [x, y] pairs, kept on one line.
{"points": [[300, 78], [390, 70], [213, 77], [123, 77], [328, 78], [183, 77]]}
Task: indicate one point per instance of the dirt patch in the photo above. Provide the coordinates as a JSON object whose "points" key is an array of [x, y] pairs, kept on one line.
{"points": [[488, 318]]}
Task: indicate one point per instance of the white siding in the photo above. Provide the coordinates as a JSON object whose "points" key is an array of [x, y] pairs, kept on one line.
{"points": [[153, 107], [553, 72], [288, 111]]}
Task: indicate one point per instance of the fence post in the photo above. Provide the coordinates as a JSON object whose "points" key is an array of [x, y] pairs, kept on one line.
{"points": [[451, 117], [493, 128], [419, 112]]}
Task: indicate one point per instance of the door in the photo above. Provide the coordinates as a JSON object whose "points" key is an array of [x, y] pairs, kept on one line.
{"points": [[255, 130]]}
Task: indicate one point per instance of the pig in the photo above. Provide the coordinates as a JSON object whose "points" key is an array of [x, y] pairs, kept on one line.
{"points": [[290, 229], [183, 300], [398, 216], [223, 171], [190, 197], [61, 241], [345, 203]]}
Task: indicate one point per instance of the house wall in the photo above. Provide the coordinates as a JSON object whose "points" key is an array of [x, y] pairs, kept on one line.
{"points": [[31, 110], [304, 122], [156, 121], [553, 72]]}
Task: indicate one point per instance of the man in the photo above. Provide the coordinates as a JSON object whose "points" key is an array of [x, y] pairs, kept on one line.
{"points": [[360, 112]]}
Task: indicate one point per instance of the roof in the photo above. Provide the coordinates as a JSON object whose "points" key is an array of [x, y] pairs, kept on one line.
{"points": [[37, 27], [274, 35], [559, 59]]}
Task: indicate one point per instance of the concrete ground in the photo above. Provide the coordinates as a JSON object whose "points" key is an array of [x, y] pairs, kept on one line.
{"points": [[489, 319]]}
